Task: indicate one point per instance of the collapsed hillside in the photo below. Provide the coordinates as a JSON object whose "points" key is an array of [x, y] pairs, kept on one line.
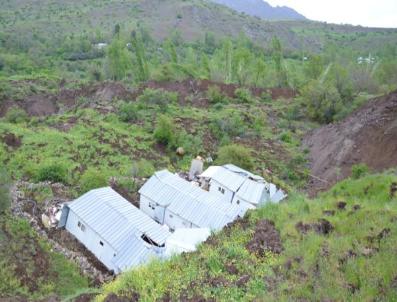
{"points": [[301, 250], [368, 136]]}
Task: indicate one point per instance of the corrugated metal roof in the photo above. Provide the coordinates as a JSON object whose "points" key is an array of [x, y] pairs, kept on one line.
{"points": [[134, 252], [253, 192], [188, 201], [225, 177], [243, 172], [115, 219]]}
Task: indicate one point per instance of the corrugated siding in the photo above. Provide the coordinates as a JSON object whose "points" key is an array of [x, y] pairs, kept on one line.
{"points": [[190, 202], [225, 177], [113, 217], [253, 192]]}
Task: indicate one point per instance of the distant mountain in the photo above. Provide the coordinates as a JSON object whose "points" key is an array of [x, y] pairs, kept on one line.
{"points": [[262, 9]]}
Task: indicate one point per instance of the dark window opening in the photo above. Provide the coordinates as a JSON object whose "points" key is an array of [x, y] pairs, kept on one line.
{"points": [[150, 241]]}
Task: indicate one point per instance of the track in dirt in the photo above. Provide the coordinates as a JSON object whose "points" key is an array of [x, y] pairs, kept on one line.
{"points": [[367, 136]]}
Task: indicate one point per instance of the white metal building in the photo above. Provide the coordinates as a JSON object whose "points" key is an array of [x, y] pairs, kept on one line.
{"points": [[117, 233], [173, 201], [240, 187]]}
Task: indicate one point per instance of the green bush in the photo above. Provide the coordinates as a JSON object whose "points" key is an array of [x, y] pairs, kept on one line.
{"points": [[165, 131], [243, 95], [359, 171], [322, 101], [93, 179], [230, 124], [52, 172], [286, 137], [128, 112], [237, 155], [158, 97], [142, 168], [215, 95], [16, 115]]}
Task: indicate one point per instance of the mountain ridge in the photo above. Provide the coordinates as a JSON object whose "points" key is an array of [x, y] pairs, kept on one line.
{"points": [[262, 9]]}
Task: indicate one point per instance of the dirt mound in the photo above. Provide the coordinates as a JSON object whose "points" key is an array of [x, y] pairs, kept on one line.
{"points": [[47, 104], [11, 140], [368, 136], [323, 227], [266, 238], [198, 89]]}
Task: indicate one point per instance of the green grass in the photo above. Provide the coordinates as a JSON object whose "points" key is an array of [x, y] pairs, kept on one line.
{"points": [[29, 268], [312, 266]]}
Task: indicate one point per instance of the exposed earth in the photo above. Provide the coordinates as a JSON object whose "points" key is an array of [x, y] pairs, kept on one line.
{"points": [[99, 95], [368, 136]]}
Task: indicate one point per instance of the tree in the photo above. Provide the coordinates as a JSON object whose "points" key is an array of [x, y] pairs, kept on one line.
{"points": [[139, 51], [322, 101], [314, 67], [237, 155], [5, 198], [228, 53], [118, 59], [277, 52]]}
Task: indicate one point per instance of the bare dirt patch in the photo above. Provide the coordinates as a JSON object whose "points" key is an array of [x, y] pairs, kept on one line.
{"points": [[367, 136], [196, 90], [11, 140], [322, 227], [265, 239]]}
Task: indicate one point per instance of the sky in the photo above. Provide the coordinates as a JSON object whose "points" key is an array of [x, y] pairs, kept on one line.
{"points": [[379, 13]]}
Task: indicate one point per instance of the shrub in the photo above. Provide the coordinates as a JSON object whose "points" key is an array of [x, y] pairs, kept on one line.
{"points": [[322, 101], [92, 179], [232, 125], [16, 115], [237, 155], [243, 95], [128, 112], [215, 95], [359, 171], [158, 97], [286, 137], [165, 131], [52, 172], [266, 97], [142, 168]]}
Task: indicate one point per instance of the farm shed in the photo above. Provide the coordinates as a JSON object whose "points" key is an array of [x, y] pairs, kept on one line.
{"points": [[222, 182], [178, 203], [117, 233], [240, 187]]}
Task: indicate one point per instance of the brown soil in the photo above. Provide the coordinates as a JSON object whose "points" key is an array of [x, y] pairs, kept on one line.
{"points": [[11, 140], [47, 104], [198, 89], [368, 136], [133, 297], [105, 92], [266, 238], [85, 298], [323, 227]]}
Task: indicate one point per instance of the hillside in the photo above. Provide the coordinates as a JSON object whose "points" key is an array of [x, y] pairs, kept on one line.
{"points": [[367, 136], [25, 25], [338, 247], [262, 9]]}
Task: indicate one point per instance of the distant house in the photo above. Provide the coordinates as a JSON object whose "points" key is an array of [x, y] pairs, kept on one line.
{"points": [[117, 233], [239, 187], [177, 203]]}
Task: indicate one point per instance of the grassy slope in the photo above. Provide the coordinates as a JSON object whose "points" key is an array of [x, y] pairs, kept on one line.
{"points": [[107, 144], [24, 21], [348, 264], [29, 269]]}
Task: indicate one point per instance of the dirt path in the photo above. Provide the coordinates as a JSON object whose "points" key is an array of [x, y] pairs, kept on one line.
{"points": [[367, 136]]}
